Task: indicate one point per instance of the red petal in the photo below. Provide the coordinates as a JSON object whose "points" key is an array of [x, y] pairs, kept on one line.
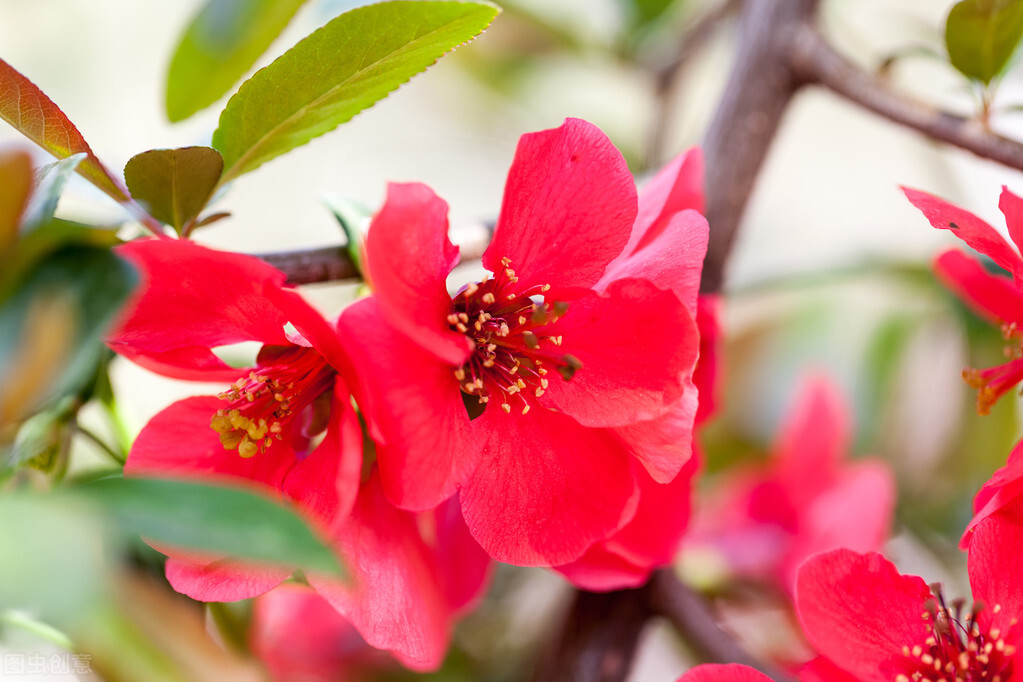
{"points": [[672, 260], [569, 206], [636, 344], [1011, 207], [193, 298], [650, 540], [676, 187], [857, 610], [531, 501], [408, 257], [223, 580], [813, 440], [1001, 490], [996, 554], [392, 597], [708, 373], [426, 447], [727, 672], [968, 227], [299, 636], [664, 444], [855, 512], [178, 442], [463, 567], [325, 482], [821, 669], [992, 296]]}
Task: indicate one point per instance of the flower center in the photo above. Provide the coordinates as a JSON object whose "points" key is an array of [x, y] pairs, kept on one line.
{"points": [[958, 648], [993, 382], [514, 332], [285, 381]]}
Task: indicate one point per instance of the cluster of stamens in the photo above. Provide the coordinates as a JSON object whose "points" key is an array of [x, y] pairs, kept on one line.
{"points": [[958, 648], [515, 346], [261, 402], [993, 382]]}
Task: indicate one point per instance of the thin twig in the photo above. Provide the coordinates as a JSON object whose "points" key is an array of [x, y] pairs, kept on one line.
{"points": [[697, 625], [818, 62], [120, 459]]}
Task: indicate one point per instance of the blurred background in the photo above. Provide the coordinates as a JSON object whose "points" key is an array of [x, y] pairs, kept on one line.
{"points": [[830, 272]]}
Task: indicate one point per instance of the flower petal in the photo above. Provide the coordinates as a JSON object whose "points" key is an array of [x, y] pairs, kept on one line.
{"points": [[675, 188], [968, 227], [299, 636], [179, 442], [989, 295], [426, 447], [709, 368], [726, 672], [463, 567], [531, 502], [224, 579], [1011, 207], [855, 512], [1003, 488], [392, 597], [857, 610], [996, 552], [326, 481], [636, 344], [408, 258], [664, 444], [650, 540], [192, 299], [813, 440], [568, 209], [672, 260]]}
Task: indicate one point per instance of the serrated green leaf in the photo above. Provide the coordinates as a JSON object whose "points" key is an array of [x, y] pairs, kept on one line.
{"points": [[355, 60], [215, 519], [981, 36], [223, 42], [173, 185], [50, 181]]}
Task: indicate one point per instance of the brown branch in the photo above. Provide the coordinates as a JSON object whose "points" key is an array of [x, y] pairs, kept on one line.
{"points": [[817, 62], [697, 625], [598, 638], [759, 89], [666, 77]]}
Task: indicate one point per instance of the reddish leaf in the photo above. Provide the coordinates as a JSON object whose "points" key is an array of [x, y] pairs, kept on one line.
{"points": [[32, 113]]}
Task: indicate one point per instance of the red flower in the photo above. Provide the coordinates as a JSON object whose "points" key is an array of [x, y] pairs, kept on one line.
{"points": [[667, 247], [996, 297], [728, 672], [765, 521], [518, 390], [1004, 490], [405, 589], [875, 624]]}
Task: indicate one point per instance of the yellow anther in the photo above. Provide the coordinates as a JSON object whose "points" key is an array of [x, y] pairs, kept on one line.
{"points": [[489, 298], [506, 407], [247, 448], [525, 409]]}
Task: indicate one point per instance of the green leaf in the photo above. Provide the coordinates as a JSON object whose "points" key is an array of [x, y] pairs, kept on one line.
{"points": [[51, 327], [354, 218], [50, 182], [644, 12], [35, 116], [981, 36], [344, 67], [173, 185], [214, 519], [223, 42]]}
